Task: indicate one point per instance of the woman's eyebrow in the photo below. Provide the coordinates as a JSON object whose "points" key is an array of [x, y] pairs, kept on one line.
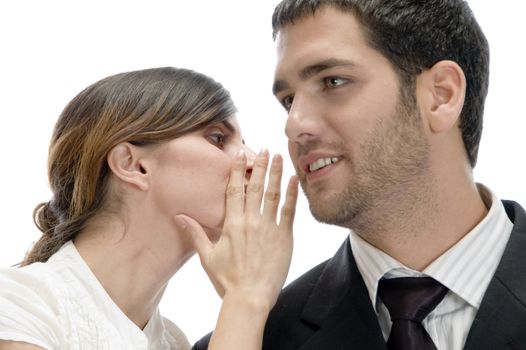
{"points": [[229, 126]]}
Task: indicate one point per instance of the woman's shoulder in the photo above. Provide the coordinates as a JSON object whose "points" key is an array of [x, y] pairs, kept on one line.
{"points": [[32, 283], [36, 284], [36, 300], [29, 306], [176, 333], [164, 334]]}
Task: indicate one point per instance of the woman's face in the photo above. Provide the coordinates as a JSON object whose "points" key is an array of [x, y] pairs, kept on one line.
{"points": [[190, 173]]}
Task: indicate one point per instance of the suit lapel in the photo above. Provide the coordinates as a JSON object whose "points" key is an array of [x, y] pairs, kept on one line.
{"points": [[501, 320], [340, 306]]}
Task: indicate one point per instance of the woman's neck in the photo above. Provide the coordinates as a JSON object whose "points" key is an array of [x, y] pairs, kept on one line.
{"points": [[132, 263]]}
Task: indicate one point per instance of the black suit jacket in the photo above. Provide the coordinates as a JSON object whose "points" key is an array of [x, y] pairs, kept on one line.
{"points": [[328, 308]]}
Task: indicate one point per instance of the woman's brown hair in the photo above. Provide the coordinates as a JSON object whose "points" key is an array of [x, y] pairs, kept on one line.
{"points": [[141, 107]]}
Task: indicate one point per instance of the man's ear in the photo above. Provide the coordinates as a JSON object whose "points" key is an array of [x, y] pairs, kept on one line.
{"points": [[442, 90], [125, 162]]}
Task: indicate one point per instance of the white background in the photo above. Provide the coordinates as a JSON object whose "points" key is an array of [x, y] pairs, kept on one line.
{"points": [[51, 50]]}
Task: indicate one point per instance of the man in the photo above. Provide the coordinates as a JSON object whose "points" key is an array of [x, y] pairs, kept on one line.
{"points": [[385, 101]]}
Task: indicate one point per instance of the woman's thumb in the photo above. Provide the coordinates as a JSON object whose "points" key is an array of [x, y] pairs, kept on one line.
{"points": [[195, 232]]}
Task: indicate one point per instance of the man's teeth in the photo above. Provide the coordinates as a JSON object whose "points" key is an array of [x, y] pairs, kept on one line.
{"points": [[321, 163]]}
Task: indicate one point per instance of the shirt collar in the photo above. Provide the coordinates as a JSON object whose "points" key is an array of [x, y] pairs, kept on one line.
{"points": [[466, 268], [95, 293]]}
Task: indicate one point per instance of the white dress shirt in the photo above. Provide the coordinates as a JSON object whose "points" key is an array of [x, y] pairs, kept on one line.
{"points": [[466, 269], [60, 304]]}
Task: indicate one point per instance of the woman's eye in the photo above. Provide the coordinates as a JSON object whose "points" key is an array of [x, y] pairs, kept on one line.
{"points": [[217, 138], [287, 102], [333, 82]]}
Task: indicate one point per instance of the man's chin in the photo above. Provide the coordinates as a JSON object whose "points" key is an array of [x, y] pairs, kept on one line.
{"points": [[324, 215], [332, 212]]}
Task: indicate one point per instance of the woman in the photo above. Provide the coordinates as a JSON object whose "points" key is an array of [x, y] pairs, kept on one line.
{"points": [[139, 165]]}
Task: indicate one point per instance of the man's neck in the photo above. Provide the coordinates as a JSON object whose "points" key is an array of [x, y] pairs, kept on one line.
{"points": [[418, 226]]}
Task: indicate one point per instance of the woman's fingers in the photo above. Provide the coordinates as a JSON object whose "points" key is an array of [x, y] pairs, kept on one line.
{"points": [[239, 204], [253, 254], [273, 192], [256, 184], [289, 207], [235, 191]]}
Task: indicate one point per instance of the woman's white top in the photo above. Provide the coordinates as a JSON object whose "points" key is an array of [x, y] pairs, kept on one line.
{"points": [[60, 304]]}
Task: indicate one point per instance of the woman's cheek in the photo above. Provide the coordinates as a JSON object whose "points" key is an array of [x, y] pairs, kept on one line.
{"points": [[219, 210]]}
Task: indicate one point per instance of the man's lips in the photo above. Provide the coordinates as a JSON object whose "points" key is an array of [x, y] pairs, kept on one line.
{"points": [[315, 161]]}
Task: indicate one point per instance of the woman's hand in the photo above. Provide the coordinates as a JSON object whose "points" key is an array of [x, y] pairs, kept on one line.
{"points": [[250, 261]]}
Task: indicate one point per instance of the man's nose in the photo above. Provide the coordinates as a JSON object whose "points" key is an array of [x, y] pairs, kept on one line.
{"points": [[303, 122]]}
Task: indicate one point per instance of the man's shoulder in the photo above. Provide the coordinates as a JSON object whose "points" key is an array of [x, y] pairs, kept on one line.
{"points": [[288, 306], [514, 211], [285, 327], [299, 289]]}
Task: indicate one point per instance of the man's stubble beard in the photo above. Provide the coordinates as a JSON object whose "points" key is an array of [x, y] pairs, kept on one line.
{"points": [[394, 161]]}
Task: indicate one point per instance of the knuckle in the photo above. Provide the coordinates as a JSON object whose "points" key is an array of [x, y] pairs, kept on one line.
{"points": [[286, 211], [272, 196], [233, 222], [255, 187], [252, 226], [234, 191], [261, 162], [250, 223], [239, 166], [276, 170]]}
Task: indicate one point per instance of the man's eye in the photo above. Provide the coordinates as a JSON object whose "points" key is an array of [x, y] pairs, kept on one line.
{"points": [[333, 82], [287, 102], [217, 138]]}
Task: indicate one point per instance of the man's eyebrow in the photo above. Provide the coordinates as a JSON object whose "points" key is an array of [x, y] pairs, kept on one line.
{"points": [[312, 70]]}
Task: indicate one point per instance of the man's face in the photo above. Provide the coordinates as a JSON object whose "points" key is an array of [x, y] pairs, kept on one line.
{"points": [[353, 140]]}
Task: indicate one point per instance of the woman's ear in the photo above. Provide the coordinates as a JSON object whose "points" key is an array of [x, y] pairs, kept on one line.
{"points": [[125, 162], [443, 88]]}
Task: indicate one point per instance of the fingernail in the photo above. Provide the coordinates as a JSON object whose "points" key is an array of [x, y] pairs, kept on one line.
{"points": [[263, 152]]}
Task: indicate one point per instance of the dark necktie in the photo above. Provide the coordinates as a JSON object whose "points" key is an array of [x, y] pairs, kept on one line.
{"points": [[409, 300]]}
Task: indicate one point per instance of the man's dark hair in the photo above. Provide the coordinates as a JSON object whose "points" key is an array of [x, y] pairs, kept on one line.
{"points": [[414, 35]]}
